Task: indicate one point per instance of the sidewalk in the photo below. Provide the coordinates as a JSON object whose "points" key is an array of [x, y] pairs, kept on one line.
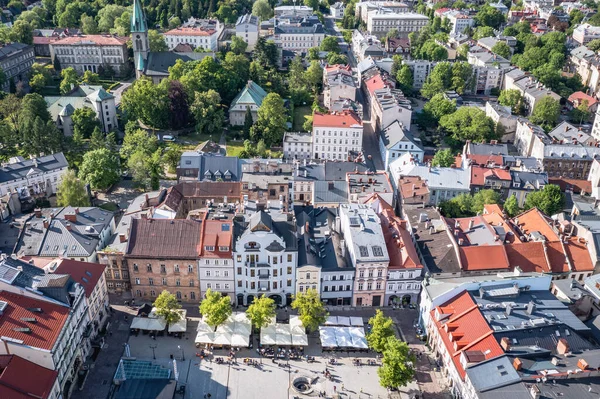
{"points": [[431, 382]]}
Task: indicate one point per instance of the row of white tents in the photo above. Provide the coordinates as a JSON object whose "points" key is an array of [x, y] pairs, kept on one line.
{"points": [[341, 332], [234, 332], [154, 322], [292, 334]]}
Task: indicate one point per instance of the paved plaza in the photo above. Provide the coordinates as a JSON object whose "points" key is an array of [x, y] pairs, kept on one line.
{"points": [[265, 381]]}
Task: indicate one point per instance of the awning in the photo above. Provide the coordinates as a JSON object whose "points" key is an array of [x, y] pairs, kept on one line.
{"points": [[148, 324], [234, 332], [357, 321], [181, 325], [343, 337]]}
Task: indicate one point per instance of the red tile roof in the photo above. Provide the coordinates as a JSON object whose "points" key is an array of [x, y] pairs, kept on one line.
{"points": [[529, 256], [338, 67], [412, 186], [492, 208], [577, 185], [44, 40], [465, 329], [85, 273], [580, 97], [557, 258], [576, 250], [217, 234], [163, 238], [338, 119], [98, 40], [484, 257], [401, 249], [375, 83], [535, 220], [493, 215], [486, 160], [44, 332], [17, 375], [479, 174], [190, 31]]}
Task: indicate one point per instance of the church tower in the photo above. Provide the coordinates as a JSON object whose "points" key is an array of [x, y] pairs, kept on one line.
{"points": [[139, 38]]}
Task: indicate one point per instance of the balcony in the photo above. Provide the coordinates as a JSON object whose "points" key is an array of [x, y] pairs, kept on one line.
{"points": [[264, 276], [264, 287]]}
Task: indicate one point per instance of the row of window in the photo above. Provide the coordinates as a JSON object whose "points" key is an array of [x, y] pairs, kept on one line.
{"points": [[226, 286], [352, 142], [335, 288], [253, 273], [163, 268], [400, 287], [216, 273], [138, 281], [369, 286], [361, 272], [335, 133], [255, 258], [138, 293], [276, 284]]}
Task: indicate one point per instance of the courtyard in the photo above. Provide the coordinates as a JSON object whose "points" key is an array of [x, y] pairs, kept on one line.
{"points": [[266, 379]]}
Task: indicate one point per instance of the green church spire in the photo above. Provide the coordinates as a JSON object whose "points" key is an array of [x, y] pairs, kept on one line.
{"points": [[138, 19]]}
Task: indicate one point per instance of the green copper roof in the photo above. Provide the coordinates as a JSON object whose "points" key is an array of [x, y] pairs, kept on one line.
{"points": [[138, 19], [100, 95], [251, 94], [140, 62]]}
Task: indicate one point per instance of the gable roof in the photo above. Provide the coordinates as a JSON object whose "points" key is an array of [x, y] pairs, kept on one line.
{"points": [[164, 238], [534, 220], [251, 94], [159, 62], [85, 273], [483, 257], [528, 256], [16, 376], [45, 164]]}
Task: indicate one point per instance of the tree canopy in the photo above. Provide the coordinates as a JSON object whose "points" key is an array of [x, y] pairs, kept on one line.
{"points": [[100, 168], [382, 328], [215, 308], [261, 311], [71, 191], [468, 123], [271, 122], [443, 158], [396, 370], [311, 311], [550, 200], [167, 306], [546, 113]]}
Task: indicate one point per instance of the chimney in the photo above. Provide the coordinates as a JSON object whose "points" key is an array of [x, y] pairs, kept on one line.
{"points": [[517, 364], [71, 217], [77, 211], [431, 228], [530, 308], [471, 223], [306, 228], [461, 241], [505, 344], [122, 237], [582, 364], [46, 223], [37, 212], [562, 347], [68, 225], [456, 231], [305, 173], [508, 310], [456, 224]]}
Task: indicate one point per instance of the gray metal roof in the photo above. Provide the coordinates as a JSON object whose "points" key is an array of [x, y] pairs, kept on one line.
{"points": [[11, 49], [395, 133], [326, 192], [21, 170], [492, 374], [159, 61], [517, 390], [214, 167], [487, 149], [364, 233]]}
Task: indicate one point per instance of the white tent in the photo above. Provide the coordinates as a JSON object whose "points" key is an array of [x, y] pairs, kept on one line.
{"points": [[234, 332], [356, 321], [146, 323], [204, 337], [240, 340], [181, 325], [327, 337], [222, 338], [343, 337], [331, 321], [343, 321], [299, 340], [283, 339], [268, 338], [358, 338], [284, 334]]}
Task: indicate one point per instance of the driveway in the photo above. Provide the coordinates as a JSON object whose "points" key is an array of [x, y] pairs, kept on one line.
{"points": [[118, 92]]}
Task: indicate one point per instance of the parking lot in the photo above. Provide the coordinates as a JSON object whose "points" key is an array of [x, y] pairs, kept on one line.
{"points": [[267, 379]]}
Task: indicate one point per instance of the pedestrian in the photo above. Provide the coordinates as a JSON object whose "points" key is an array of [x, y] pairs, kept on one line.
{"points": [[208, 395], [334, 388], [342, 387], [361, 391]]}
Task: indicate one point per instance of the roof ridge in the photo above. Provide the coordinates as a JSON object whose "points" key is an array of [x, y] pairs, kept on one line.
{"points": [[452, 319]]}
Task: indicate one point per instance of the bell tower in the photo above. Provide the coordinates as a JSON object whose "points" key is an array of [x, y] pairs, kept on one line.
{"points": [[139, 38]]}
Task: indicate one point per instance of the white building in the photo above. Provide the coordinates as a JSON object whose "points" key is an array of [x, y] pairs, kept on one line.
{"points": [[16, 61], [389, 105], [395, 140], [300, 36], [531, 90], [595, 127], [90, 52], [299, 11], [338, 83], [420, 70], [215, 266], [585, 33], [198, 33], [380, 22], [460, 21], [33, 177], [250, 98], [361, 229], [266, 257], [247, 29], [363, 8], [337, 10], [336, 135], [297, 145]]}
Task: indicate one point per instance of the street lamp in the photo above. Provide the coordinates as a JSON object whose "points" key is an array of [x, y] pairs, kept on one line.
{"points": [[182, 355], [153, 353]]}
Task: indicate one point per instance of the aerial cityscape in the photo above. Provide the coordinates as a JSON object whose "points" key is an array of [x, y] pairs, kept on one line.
{"points": [[288, 200]]}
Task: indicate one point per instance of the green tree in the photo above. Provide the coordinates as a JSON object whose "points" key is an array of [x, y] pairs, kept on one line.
{"points": [[511, 206], [484, 197], [483, 31], [71, 191], [271, 121], [468, 123], [88, 24], [171, 157], [261, 312], [502, 49], [107, 16], [262, 9], [432, 51], [381, 329], [594, 45], [396, 64], [404, 79], [238, 45], [84, 122], [208, 112], [549, 200], [512, 98], [310, 309], [489, 16], [215, 308], [581, 113], [97, 140], [248, 122], [90, 78], [546, 112], [396, 369], [69, 80], [167, 307], [314, 75], [22, 32], [459, 206], [37, 83], [392, 34], [439, 106], [147, 102], [335, 59], [146, 169], [138, 140], [100, 169], [443, 158], [156, 41], [37, 133], [174, 22], [330, 43]]}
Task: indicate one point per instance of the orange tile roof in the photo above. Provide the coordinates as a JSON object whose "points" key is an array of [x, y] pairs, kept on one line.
{"points": [[479, 174], [375, 83], [492, 214], [401, 249], [217, 234], [577, 185], [412, 186], [16, 376], [85, 273], [98, 40], [581, 96], [492, 208], [529, 256], [190, 31], [557, 258], [576, 250], [484, 160], [535, 220], [338, 119], [338, 67], [465, 329], [44, 332], [483, 257]]}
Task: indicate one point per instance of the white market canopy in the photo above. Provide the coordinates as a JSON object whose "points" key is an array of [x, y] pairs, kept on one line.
{"points": [[284, 334], [181, 325], [344, 321], [234, 332], [153, 322], [343, 337]]}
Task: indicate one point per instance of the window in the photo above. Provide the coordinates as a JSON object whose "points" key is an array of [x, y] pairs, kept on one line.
{"points": [[149, 268], [191, 282], [178, 294], [163, 268], [274, 285], [152, 293], [274, 272], [370, 273], [361, 274], [192, 295], [239, 271], [274, 260], [377, 251], [252, 273], [209, 248], [378, 286], [164, 281], [207, 273], [333, 288], [223, 249], [369, 286], [135, 267], [239, 283], [253, 285], [225, 273], [239, 258], [208, 286], [360, 286], [176, 268], [289, 270], [150, 281], [301, 288], [308, 276], [364, 252], [289, 282], [190, 268], [207, 261], [348, 287], [226, 286], [289, 258], [137, 281], [325, 289]]}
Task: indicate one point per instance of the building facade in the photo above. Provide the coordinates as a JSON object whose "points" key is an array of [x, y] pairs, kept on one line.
{"points": [[335, 135], [202, 34], [215, 266], [380, 22], [300, 36], [251, 97], [16, 61], [246, 28], [297, 145], [91, 53], [33, 177]]}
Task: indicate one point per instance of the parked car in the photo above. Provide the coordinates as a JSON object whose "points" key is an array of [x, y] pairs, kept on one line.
{"points": [[168, 138]]}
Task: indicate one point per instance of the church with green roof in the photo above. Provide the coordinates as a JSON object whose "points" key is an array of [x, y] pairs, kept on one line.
{"points": [[251, 96]]}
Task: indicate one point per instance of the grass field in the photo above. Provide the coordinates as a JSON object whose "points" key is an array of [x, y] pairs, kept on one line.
{"points": [[300, 114], [234, 148]]}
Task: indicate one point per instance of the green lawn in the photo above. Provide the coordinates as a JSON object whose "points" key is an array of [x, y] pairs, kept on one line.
{"points": [[109, 206], [234, 148], [300, 115]]}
